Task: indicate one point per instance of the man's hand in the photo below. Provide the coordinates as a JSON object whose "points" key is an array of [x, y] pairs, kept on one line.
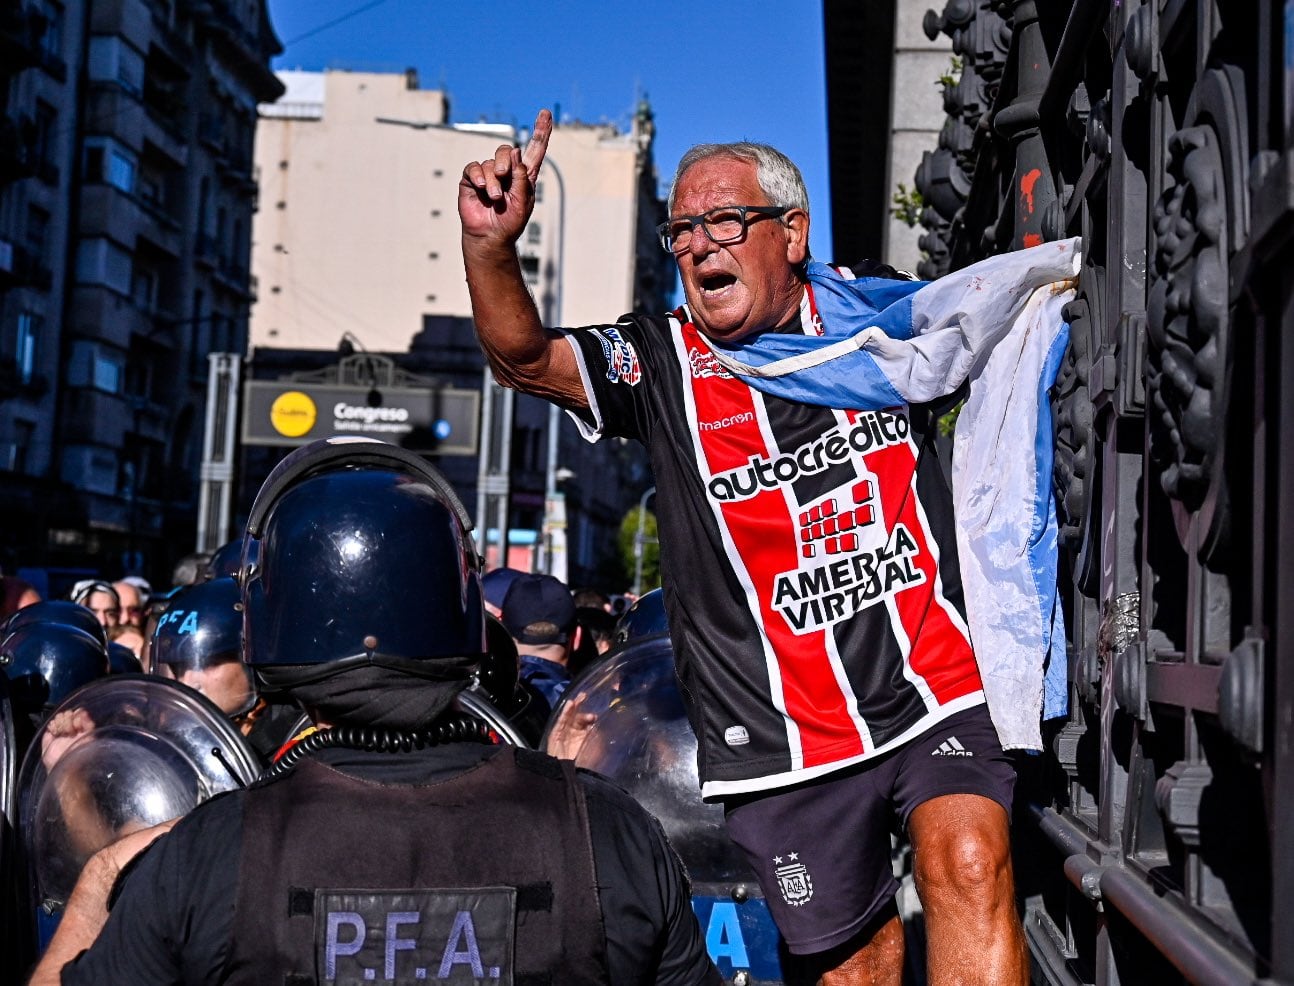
{"points": [[566, 738], [87, 909], [497, 195], [61, 732]]}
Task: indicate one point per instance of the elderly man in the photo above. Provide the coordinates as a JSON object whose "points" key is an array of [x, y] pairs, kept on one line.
{"points": [[100, 598], [811, 569]]}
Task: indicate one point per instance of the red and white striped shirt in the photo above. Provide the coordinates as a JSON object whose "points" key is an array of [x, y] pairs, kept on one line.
{"points": [[808, 554]]}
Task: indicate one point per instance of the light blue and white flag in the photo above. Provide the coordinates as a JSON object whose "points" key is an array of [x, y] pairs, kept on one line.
{"points": [[998, 324]]}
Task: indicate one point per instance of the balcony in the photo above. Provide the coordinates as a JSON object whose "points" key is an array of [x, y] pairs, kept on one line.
{"points": [[108, 211], [14, 386], [21, 267], [17, 148], [101, 313], [128, 122], [95, 417], [20, 32]]}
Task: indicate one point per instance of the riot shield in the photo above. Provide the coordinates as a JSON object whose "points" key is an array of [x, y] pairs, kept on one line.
{"points": [[118, 755], [8, 755], [643, 741], [15, 946]]}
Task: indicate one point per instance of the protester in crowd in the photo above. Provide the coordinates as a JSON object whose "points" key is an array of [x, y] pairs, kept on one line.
{"points": [[191, 569], [586, 597], [495, 585], [15, 593], [100, 598], [540, 615], [128, 636], [406, 849], [824, 694], [599, 628], [133, 603]]}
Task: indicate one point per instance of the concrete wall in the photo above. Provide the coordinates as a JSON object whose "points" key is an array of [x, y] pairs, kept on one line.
{"points": [[917, 116]]}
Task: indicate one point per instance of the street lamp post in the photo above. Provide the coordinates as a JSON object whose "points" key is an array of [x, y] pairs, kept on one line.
{"points": [[494, 473]]}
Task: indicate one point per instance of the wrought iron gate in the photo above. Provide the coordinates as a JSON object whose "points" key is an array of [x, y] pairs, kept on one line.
{"points": [[1155, 837]]}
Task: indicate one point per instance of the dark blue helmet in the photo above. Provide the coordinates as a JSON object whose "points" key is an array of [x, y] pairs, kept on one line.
{"points": [[358, 553], [57, 611], [646, 617], [223, 562], [122, 660], [202, 626], [46, 662]]}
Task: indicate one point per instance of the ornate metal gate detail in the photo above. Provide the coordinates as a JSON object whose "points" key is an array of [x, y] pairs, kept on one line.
{"points": [[1152, 836]]}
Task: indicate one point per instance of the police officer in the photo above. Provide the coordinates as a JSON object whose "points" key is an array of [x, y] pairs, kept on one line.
{"points": [[198, 642], [383, 852]]}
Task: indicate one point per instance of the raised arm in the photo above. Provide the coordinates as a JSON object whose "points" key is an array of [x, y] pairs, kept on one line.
{"points": [[495, 200]]}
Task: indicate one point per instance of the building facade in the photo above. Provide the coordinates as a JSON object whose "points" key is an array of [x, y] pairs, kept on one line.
{"points": [[126, 200], [891, 77], [357, 245]]}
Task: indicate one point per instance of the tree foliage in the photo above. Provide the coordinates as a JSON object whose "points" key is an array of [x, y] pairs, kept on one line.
{"points": [[651, 550]]}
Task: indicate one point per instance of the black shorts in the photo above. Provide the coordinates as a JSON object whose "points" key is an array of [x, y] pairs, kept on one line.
{"points": [[821, 850]]}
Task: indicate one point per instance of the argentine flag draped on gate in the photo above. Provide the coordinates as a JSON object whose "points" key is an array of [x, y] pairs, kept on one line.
{"points": [[998, 324]]}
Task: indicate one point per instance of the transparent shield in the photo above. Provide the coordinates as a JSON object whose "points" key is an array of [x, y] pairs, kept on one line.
{"points": [[118, 755], [8, 757], [642, 740]]}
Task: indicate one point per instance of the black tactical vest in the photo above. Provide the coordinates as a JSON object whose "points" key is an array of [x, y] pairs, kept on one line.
{"points": [[484, 878]]}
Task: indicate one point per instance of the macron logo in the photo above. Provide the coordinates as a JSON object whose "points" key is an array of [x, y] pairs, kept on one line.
{"points": [[951, 748]]}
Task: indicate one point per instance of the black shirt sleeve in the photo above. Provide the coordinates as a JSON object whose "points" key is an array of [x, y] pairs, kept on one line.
{"points": [[173, 916], [644, 893], [618, 364]]}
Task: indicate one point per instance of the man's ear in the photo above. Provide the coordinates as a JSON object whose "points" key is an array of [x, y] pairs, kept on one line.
{"points": [[797, 237]]}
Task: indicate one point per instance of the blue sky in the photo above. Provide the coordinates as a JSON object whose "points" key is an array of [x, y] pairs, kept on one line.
{"points": [[721, 70]]}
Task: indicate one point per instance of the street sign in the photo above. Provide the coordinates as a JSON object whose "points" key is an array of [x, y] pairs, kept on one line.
{"points": [[441, 420]]}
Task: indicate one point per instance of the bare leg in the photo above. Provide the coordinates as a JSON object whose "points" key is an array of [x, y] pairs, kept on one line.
{"points": [[874, 957], [962, 854]]}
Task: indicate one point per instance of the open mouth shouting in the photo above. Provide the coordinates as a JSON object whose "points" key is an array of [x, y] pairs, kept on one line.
{"points": [[717, 284]]}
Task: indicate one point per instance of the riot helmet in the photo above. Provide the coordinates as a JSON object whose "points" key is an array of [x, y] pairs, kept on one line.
{"points": [[223, 562], [646, 617], [198, 642], [56, 611], [357, 553], [123, 660], [45, 662]]}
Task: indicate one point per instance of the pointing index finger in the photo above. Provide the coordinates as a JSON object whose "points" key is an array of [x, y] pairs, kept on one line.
{"points": [[533, 156]]}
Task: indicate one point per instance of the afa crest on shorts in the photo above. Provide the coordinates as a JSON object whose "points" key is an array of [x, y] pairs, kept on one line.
{"points": [[793, 880]]}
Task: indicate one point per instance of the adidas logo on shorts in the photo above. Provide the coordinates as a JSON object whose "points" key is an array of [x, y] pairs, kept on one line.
{"points": [[951, 748]]}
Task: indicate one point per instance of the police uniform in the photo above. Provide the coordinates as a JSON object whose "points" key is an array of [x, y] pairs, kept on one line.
{"points": [[229, 896]]}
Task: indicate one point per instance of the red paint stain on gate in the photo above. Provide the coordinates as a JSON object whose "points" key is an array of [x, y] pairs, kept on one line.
{"points": [[1026, 187]]}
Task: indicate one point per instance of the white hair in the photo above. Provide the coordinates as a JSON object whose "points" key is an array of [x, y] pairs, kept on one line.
{"points": [[778, 177]]}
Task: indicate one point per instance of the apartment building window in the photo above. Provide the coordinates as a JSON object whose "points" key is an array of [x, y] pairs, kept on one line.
{"points": [[199, 335], [25, 341], [100, 261], [95, 365], [43, 145], [111, 59], [533, 233], [108, 161], [16, 450], [51, 40], [37, 231], [143, 286]]}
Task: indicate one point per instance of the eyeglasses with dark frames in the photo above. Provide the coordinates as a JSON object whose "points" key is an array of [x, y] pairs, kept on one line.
{"points": [[726, 224]]}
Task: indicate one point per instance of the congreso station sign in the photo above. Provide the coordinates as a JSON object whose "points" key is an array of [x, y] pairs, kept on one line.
{"points": [[442, 420]]}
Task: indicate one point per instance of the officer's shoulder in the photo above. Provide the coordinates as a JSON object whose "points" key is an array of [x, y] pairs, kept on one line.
{"points": [[601, 788], [218, 811], [593, 784]]}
